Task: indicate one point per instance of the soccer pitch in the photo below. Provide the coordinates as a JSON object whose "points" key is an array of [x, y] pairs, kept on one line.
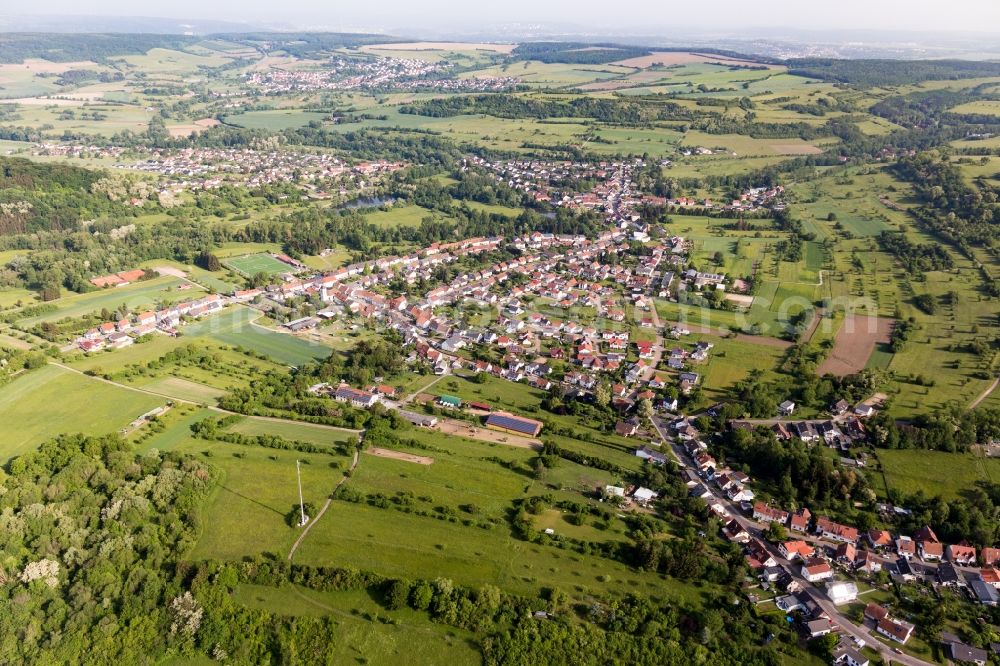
{"points": [[251, 264]]}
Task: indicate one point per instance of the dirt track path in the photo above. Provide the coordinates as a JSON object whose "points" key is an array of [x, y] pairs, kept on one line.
{"points": [[399, 455], [985, 394], [326, 505], [410, 398]]}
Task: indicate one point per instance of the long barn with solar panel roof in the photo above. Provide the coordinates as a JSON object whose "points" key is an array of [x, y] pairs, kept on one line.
{"points": [[514, 424]]}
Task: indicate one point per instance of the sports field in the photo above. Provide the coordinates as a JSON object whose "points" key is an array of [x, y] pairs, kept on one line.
{"points": [[252, 264]]}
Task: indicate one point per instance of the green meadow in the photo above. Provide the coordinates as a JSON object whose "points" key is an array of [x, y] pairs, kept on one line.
{"points": [[137, 296], [52, 401], [936, 472], [236, 327]]}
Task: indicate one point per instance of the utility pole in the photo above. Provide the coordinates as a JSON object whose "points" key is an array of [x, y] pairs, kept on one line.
{"points": [[302, 506]]}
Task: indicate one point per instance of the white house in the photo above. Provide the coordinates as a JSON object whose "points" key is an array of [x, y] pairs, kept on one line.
{"points": [[643, 496], [841, 591]]}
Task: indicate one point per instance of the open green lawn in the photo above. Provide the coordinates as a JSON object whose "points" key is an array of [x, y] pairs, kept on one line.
{"points": [[168, 61], [401, 544], [732, 360], [304, 432], [748, 146], [51, 401], [400, 215], [461, 475], [496, 209], [110, 118], [936, 472], [184, 389], [981, 107], [11, 296], [235, 327]]}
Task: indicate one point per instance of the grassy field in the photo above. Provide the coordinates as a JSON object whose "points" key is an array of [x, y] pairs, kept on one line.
{"points": [[399, 215], [167, 61], [732, 361], [184, 389], [981, 107], [748, 146], [11, 296], [234, 327], [461, 475], [398, 543], [137, 296], [845, 212], [246, 513], [53, 401], [936, 472], [304, 432], [275, 120]]}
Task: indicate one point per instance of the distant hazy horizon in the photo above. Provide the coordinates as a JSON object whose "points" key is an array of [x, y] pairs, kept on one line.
{"points": [[638, 16]]}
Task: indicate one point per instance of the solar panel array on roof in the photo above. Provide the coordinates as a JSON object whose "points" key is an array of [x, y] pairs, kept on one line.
{"points": [[508, 422]]}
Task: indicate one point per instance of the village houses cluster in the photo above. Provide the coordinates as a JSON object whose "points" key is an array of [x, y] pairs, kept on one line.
{"points": [[341, 73], [819, 551], [565, 272], [569, 184], [124, 332], [320, 175], [209, 168]]}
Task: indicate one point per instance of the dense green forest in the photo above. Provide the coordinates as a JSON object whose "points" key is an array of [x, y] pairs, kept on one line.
{"points": [[92, 537], [576, 53], [512, 106], [882, 73], [44, 197], [59, 47]]}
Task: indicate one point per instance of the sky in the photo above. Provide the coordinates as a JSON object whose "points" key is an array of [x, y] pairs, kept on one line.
{"points": [[640, 16]]}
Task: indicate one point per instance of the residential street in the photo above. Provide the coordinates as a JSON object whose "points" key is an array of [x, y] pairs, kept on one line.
{"points": [[756, 530]]}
